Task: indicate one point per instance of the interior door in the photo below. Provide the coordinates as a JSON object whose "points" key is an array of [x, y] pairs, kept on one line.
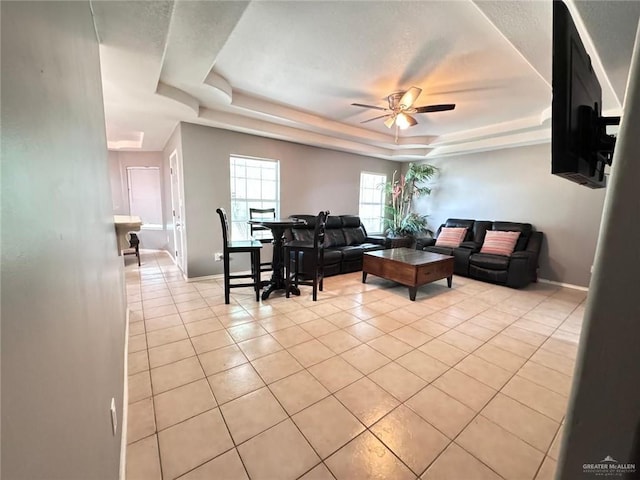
{"points": [[177, 209]]}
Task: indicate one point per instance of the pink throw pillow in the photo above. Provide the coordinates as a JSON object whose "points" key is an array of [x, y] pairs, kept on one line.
{"points": [[497, 242], [451, 237]]}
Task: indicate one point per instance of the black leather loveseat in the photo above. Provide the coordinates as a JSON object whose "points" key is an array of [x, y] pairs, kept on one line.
{"points": [[516, 270], [345, 242]]}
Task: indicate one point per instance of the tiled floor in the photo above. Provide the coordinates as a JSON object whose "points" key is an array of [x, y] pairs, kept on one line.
{"points": [[464, 383]]}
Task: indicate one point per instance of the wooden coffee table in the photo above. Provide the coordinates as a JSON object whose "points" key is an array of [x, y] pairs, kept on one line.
{"points": [[408, 267]]}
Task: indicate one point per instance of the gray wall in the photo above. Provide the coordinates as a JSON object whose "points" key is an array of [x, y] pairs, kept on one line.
{"points": [[118, 163], [515, 184], [311, 179], [603, 416], [63, 307]]}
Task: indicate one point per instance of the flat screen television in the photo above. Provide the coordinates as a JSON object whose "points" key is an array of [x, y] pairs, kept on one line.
{"points": [[580, 146]]}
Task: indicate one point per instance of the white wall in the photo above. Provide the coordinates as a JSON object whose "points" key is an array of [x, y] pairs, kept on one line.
{"points": [[63, 307], [118, 163], [516, 184], [311, 179]]}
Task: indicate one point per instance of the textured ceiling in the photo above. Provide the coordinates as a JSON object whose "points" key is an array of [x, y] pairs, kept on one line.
{"points": [[291, 69]]}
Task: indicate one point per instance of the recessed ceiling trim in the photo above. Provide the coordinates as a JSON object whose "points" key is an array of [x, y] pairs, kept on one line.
{"points": [[543, 135], [221, 85], [315, 122], [179, 96], [230, 121], [498, 130]]}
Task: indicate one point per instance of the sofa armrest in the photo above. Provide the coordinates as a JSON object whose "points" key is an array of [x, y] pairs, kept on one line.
{"points": [[473, 246], [376, 239], [422, 243], [522, 269]]}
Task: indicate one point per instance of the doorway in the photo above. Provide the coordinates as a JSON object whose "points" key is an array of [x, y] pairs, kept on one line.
{"points": [[177, 210]]}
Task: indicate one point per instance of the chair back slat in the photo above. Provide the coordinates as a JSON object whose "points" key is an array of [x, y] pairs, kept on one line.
{"points": [[224, 221], [262, 214], [321, 222]]}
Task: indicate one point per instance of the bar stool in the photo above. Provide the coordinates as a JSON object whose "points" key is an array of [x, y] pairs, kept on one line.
{"points": [[311, 255], [264, 232], [239, 246]]}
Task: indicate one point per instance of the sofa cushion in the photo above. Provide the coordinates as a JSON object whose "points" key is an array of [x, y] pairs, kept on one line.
{"points": [[333, 222], [488, 261], [354, 236], [440, 250], [371, 247], [303, 235], [350, 221], [334, 238], [525, 230], [451, 237], [499, 243], [350, 253], [332, 256], [461, 222]]}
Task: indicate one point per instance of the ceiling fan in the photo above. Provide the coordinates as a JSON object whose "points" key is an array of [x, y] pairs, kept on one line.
{"points": [[401, 108]]}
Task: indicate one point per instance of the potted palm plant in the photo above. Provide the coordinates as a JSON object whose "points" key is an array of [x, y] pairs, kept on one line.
{"points": [[400, 220]]}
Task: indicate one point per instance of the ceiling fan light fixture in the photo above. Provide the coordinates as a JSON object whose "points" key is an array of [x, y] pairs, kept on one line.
{"points": [[389, 121], [404, 121]]}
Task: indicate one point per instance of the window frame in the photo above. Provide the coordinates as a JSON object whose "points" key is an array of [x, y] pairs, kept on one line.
{"points": [[238, 221], [367, 220], [146, 224]]}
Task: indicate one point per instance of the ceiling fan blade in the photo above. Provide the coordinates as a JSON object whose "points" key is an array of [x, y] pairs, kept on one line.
{"points": [[436, 108], [390, 121], [409, 97], [404, 121], [376, 118], [369, 106]]}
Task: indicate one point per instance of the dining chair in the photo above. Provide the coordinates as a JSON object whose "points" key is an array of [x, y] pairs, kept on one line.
{"points": [[239, 246], [134, 244], [264, 233], [307, 258]]}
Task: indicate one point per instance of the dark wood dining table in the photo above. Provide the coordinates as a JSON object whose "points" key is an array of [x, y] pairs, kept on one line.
{"points": [[278, 226]]}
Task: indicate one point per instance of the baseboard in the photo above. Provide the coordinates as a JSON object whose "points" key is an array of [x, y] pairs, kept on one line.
{"points": [[125, 402], [566, 285], [218, 276]]}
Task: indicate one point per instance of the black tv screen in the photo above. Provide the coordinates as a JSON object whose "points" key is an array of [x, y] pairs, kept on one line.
{"points": [[577, 131]]}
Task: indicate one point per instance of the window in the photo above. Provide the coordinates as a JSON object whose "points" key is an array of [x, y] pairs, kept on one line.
{"points": [[371, 208], [255, 183], [144, 196]]}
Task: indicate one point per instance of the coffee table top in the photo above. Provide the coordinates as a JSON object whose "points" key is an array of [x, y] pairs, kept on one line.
{"points": [[409, 256]]}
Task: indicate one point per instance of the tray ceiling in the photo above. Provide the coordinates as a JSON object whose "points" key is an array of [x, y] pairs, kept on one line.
{"points": [[290, 70]]}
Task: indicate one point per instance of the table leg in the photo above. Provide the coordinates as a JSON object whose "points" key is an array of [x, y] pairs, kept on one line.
{"points": [[412, 293], [277, 277], [449, 280], [364, 277]]}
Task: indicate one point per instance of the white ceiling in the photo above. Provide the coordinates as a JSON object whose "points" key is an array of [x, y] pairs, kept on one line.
{"points": [[291, 69]]}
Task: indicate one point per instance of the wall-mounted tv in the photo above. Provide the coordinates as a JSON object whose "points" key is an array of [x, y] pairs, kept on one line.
{"points": [[580, 145]]}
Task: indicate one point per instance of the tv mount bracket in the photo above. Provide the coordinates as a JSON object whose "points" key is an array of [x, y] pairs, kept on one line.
{"points": [[595, 143]]}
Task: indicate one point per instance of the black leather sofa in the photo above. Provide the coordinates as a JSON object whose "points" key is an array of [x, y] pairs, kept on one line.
{"points": [[516, 271], [345, 242]]}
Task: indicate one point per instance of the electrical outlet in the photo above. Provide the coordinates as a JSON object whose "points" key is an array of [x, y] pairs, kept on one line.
{"points": [[217, 256], [114, 416]]}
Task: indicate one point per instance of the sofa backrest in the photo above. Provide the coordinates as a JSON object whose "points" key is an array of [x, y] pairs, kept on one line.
{"points": [[525, 230], [334, 236], [480, 228], [459, 223], [354, 231], [302, 232]]}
